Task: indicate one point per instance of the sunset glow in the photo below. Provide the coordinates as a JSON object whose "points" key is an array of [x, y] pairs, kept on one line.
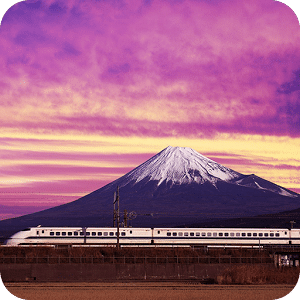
{"points": [[91, 89]]}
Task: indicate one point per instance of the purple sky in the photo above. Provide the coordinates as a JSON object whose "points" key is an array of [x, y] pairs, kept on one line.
{"points": [[90, 89]]}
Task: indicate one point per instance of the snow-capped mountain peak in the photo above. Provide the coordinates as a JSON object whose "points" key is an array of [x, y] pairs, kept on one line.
{"points": [[180, 165]]}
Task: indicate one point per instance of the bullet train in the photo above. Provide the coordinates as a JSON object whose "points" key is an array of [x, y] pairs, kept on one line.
{"points": [[154, 236]]}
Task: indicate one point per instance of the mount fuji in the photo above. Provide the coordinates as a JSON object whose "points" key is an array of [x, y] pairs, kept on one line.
{"points": [[180, 166], [176, 187]]}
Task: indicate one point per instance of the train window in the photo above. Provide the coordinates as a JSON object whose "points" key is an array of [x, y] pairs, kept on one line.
{"points": [[130, 231], [93, 233], [243, 233], [123, 233], [75, 232], [192, 234], [202, 233], [197, 233], [186, 234], [180, 234], [226, 234], [43, 231], [99, 233], [248, 233], [158, 231], [285, 232], [174, 233], [266, 234], [57, 233], [231, 233], [220, 233], [111, 234], [168, 233], [63, 233], [87, 233], [271, 234], [254, 233], [238, 234], [260, 234], [277, 234], [209, 234], [37, 232], [81, 233], [69, 233], [51, 233], [105, 233], [215, 234]]}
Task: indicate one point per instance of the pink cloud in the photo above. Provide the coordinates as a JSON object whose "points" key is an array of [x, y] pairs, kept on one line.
{"points": [[225, 61], [51, 193], [238, 160], [37, 155], [58, 170]]}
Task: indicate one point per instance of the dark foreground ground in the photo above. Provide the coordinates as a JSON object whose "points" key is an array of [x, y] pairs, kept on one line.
{"points": [[145, 291], [93, 264]]}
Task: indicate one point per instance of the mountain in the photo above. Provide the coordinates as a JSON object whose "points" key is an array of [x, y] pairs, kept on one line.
{"points": [[176, 187]]}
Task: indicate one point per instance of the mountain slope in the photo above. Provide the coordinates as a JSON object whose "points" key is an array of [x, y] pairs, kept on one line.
{"points": [[177, 186], [277, 220], [256, 182]]}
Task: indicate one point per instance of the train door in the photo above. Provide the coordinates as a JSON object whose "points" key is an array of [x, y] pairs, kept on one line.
{"points": [[37, 233], [84, 234], [152, 236]]}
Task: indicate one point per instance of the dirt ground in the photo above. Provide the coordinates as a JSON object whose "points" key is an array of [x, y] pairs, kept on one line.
{"points": [[145, 291]]}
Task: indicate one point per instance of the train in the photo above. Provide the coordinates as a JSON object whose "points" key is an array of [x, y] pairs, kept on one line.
{"points": [[128, 236]]}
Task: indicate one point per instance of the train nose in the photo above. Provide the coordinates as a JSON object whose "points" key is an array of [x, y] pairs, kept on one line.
{"points": [[9, 242], [14, 240]]}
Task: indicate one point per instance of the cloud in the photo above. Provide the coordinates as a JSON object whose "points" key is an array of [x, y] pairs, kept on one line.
{"points": [[291, 86], [158, 68]]}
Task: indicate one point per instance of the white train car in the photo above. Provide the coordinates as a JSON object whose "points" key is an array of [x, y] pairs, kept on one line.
{"points": [[79, 236], [295, 236], [154, 236], [225, 236]]}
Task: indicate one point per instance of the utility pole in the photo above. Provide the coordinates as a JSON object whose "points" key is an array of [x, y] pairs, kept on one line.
{"points": [[117, 215], [125, 218], [292, 224], [115, 212]]}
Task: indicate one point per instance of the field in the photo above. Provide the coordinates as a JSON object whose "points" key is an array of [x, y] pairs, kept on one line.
{"points": [[145, 291]]}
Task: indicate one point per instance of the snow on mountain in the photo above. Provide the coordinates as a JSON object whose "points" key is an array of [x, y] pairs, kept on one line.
{"points": [[253, 181], [180, 165]]}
